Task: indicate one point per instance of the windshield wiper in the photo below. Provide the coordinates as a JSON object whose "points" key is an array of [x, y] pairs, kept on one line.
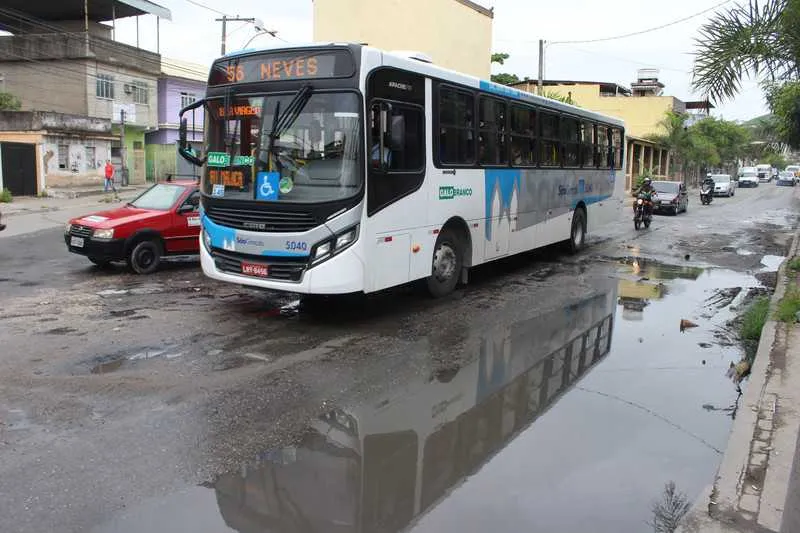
{"points": [[281, 122]]}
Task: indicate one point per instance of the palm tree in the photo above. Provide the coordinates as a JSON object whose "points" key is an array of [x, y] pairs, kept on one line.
{"points": [[675, 139], [761, 39]]}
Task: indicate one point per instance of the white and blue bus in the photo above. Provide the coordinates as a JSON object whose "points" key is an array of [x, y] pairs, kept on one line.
{"points": [[335, 169]]}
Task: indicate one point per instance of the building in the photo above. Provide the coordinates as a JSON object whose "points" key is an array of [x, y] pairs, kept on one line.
{"points": [[455, 34], [179, 85], [642, 107], [65, 62], [35, 144]]}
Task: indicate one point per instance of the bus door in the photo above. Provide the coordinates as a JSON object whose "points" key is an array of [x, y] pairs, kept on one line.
{"points": [[396, 159]]}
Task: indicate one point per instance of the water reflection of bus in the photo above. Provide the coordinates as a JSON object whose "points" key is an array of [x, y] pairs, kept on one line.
{"points": [[376, 467]]}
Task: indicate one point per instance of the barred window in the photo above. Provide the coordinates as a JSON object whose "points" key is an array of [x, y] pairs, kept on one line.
{"points": [[105, 86], [188, 99], [140, 92]]}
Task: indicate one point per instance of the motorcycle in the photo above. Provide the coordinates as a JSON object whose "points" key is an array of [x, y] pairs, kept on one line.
{"points": [[643, 212], [706, 194]]}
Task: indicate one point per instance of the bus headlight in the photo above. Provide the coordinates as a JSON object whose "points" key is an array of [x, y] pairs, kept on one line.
{"points": [[331, 247], [207, 240]]}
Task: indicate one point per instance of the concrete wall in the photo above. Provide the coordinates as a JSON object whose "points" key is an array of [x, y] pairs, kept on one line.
{"points": [[85, 159], [146, 115], [58, 86], [455, 34]]}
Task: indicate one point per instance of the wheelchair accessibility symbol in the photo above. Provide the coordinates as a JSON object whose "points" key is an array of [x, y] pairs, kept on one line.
{"points": [[267, 185]]}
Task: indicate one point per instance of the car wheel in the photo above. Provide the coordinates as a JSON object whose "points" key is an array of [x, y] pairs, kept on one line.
{"points": [[446, 265], [102, 263], [145, 257]]}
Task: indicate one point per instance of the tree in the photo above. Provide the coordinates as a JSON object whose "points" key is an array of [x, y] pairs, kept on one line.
{"points": [[784, 100], [503, 78], [9, 102], [761, 39]]}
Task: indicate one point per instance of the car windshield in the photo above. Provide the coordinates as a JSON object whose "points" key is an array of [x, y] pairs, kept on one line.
{"points": [[721, 179], [787, 174], [666, 187], [161, 197], [314, 156]]}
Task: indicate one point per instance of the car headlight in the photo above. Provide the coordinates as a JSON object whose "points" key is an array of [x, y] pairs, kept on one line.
{"points": [[67, 227], [103, 234]]}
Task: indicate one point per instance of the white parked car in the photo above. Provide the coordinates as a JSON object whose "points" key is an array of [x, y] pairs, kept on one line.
{"points": [[723, 185], [748, 177]]}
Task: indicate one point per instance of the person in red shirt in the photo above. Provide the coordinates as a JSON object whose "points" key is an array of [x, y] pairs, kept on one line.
{"points": [[110, 177]]}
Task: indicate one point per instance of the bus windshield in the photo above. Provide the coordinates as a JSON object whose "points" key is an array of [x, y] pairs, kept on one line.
{"points": [[314, 158]]}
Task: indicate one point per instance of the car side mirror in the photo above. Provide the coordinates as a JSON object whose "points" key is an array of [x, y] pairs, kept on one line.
{"points": [[186, 208]]}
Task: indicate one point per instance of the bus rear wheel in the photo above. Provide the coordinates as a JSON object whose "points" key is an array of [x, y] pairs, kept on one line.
{"points": [[577, 235], [448, 260]]}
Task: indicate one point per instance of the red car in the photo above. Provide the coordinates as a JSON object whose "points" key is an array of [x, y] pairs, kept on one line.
{"points": [[164, 220]]}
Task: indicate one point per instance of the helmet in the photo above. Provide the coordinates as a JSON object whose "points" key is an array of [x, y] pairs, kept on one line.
{"points": [[647, 181]]}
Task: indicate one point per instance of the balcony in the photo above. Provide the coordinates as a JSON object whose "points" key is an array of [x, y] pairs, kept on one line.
{"points": [[77, 45]]}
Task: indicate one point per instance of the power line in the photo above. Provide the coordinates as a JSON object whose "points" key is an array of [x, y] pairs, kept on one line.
{"points": [[198, 4], [632, 34], [603, 54]]}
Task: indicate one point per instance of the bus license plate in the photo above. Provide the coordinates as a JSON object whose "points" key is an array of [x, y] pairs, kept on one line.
{"points": [[77, 242], [255, 269]]}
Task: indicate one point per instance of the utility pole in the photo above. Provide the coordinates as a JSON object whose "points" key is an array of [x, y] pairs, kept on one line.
{"points": [[225, 19], [122, 150], [541, 67]]}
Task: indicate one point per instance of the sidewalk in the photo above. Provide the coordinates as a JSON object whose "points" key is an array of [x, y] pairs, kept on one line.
{"points": [[68, 198], [757, 487]]}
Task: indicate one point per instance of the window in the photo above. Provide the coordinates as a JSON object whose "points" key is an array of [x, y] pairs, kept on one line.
{"points": [[587, 144], [550, 155], [140, 92], [523, 136], [616, 144], [571, 132], [601, 155], [105, 86], [492, 132], [188, 99], [63, 156], [138, 145], [90, 155], [456, 127]]}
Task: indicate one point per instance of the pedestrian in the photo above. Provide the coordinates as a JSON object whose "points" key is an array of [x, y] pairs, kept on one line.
{"points": [[109, 171]]}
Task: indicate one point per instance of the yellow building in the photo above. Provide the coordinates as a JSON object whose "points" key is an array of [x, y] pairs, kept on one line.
{"points": [[462, 43]]}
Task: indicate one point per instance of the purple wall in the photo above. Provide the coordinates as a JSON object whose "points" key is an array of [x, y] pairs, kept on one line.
{"points": [[169, 104]]}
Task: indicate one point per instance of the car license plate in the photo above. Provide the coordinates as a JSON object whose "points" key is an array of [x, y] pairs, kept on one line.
{"points": [[255, 269], [77, 242]]}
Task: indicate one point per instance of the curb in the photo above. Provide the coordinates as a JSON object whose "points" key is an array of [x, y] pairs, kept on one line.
{"points": [[71, 194], [751, 484]]}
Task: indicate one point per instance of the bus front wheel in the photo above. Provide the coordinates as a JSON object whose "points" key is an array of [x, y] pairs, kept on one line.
{"points": [[448, 260]]}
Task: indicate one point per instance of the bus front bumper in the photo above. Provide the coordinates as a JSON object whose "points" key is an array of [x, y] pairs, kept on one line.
{"points": [[341, 274]]}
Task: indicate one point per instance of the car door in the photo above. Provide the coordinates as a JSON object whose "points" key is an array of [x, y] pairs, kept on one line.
{"points": [[184, 235]]}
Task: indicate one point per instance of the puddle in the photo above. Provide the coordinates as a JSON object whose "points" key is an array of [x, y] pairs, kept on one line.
{"points": [[771, 262], [117, 361], [540, 412], [741, 251]]}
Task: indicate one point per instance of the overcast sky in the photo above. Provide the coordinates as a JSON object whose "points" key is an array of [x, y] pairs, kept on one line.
{"points": [[518, 24]]}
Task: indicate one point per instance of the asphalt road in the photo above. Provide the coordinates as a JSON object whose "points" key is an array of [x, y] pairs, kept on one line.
{"points": [[553, 393]]}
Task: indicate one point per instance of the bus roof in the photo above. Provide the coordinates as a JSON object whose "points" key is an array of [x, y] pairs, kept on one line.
{"points": [[435, 71]]}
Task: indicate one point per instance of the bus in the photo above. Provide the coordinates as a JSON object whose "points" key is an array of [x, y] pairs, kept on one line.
{"points": [[380, 465], [342, 168]]}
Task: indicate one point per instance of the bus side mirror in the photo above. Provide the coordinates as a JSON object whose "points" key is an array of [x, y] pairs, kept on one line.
{"points": [[183, 143]]}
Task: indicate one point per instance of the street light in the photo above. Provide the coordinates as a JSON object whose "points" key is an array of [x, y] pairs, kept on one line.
{"points": [[261, 31], [256, 22]]}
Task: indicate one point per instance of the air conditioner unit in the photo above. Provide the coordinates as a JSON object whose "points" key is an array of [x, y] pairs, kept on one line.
{"points": [[128, 88]]}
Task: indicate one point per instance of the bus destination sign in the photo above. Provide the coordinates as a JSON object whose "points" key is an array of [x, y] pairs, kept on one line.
{"points": [[282, 67]]}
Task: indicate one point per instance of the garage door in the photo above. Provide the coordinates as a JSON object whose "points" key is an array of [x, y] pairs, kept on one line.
{"points": [[19, 168]]}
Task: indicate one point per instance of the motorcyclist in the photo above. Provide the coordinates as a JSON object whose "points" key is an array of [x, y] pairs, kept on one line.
{"points": [[647, 191], [708, 183]]}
